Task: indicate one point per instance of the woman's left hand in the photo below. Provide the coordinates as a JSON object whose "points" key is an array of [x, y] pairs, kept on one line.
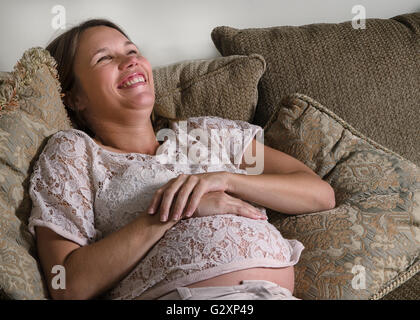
{"points": [[173, 196], [183, 186]]}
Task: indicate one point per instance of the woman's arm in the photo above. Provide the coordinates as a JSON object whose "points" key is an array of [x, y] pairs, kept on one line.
{"points": [[293, 193], [286, 185], [93, 269]]}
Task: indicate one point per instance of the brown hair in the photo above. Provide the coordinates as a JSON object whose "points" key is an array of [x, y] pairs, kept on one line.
{"points": [[63, 50]]}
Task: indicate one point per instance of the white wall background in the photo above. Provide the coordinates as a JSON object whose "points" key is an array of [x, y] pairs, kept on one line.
{"points": [[169, 31]]}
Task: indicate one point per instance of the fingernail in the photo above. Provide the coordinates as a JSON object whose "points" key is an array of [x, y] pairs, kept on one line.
{"points": [[164, 218], [150, 211]]}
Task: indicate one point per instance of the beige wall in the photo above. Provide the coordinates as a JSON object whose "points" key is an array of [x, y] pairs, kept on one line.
{"points": [[168, 31]]}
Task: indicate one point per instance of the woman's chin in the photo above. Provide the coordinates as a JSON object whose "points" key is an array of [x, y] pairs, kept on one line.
{"points": [[141, 101]]}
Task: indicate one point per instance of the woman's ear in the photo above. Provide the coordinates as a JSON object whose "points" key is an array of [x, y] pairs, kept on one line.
{"points": [[75, 101], [68, 100]]}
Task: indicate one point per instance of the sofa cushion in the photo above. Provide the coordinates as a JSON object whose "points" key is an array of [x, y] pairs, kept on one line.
{"points": [[369, 77], [369, 244], [225, 87], [30, 112]]}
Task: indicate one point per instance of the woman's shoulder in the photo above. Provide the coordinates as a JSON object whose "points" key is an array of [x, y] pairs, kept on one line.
{"points": [[70, 141], [70, 133]]}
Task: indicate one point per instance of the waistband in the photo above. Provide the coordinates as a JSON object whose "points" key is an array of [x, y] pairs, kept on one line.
{"points": [[247, 290]]}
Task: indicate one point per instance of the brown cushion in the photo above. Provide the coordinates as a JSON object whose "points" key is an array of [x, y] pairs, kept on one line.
{"points": [[369, 77], [225, 87], [375, 225]]}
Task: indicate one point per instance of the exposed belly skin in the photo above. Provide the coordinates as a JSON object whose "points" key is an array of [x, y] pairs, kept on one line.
{"points": [[282, 276]]}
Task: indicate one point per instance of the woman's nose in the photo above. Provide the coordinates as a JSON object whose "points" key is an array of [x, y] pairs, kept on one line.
{"points": [[128, 62]]}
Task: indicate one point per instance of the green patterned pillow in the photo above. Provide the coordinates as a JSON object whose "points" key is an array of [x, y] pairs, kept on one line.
{"points": [[30, 112], [369, 243]]}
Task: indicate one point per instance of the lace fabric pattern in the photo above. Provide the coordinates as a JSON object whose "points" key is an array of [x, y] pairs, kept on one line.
{"points": [[61, 190], [200, 248], [85, 192]]}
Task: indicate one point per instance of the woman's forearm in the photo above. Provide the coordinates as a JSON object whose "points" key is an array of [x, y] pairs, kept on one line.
{"points": [[292, 193], [93, 269]]}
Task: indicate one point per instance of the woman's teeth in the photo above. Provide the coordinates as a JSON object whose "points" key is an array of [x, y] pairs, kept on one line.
{"points": [[133, 81]]}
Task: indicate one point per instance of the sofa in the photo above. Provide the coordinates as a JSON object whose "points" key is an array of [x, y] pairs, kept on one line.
{"points": [[344, 101]]}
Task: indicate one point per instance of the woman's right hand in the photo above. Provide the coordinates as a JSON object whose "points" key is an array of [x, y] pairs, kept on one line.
{"points": [[219, 202]]}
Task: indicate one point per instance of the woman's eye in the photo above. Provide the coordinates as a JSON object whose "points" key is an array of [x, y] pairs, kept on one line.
{"points": [[109, 57], [104, 57]]}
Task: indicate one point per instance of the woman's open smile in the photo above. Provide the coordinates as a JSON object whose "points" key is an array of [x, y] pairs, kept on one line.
{"points": [[134, 80]]}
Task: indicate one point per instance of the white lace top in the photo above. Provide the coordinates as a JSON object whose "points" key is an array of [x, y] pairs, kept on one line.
{"points": [[84, 192]]}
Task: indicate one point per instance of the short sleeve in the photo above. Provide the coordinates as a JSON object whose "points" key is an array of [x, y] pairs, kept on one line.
{"points": [[231, 136], [61, 189]]}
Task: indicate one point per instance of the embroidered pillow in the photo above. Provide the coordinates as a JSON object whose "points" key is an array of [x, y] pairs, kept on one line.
{"points": [[30, 112], [369, 244]]}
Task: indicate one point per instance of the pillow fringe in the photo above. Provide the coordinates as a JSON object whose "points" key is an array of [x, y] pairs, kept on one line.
{"points": [[397, 281], [32, 60]]}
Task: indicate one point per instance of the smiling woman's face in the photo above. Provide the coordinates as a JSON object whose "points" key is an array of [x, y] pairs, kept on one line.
{"points": [[116, 80]]}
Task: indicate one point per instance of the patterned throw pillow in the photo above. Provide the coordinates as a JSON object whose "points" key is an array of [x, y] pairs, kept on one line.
{"points": [[225, 87], [30, 112], [369, 243]]}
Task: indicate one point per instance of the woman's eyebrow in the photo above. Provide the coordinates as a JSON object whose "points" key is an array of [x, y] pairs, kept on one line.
{"points": [[106, 48]]}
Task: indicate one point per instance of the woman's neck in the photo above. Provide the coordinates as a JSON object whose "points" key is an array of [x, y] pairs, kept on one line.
{"points": [[141, 139]]}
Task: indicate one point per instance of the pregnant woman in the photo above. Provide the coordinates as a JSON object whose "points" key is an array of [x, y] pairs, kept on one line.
{"points": [[130, 217]]}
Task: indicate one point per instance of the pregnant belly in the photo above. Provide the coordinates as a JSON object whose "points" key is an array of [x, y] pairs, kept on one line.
{"points": [[284, 277], [218, 244]]}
